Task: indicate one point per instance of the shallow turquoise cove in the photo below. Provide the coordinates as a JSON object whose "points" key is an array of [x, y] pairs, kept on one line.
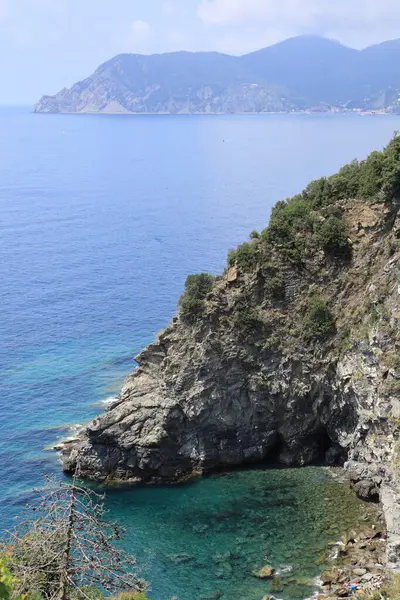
{"points": [[209, 537]]}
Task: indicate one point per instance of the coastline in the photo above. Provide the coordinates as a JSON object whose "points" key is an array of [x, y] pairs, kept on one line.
{"points": [[362, 560], [356, 562], [186, 114]]}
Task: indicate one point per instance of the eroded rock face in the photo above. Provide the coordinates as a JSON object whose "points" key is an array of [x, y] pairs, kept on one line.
{"points": [[209, 416], [215, 394], [218, 393]]}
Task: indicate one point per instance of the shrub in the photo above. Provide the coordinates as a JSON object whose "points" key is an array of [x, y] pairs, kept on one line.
{"points": [[292, 220], [245, 256], [192, 302], [7, 585], [231, 258], [198, 286], [334, 238], [371, 175], [290, 227], [247, 319], [294, 254], [192, 309], [318, 193], [6, 582], [254, 235], [275, 287], [391, 169], [380, 172], [319, 322], [392, 590], [345, 184], [287, 219]]}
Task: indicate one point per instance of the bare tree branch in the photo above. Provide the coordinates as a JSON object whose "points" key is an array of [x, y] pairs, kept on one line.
{"points": [[68, 549]]}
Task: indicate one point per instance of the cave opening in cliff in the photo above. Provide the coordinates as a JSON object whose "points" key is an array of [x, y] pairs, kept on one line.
{"points": [[327, 451], [317, 448]]}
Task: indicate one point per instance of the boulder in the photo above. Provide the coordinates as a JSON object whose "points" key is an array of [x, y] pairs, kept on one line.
{"points": [[232, 275], [266, 572], [330, 576]]}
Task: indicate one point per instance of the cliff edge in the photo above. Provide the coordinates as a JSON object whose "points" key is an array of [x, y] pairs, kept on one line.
{"points": [[291, 356]]}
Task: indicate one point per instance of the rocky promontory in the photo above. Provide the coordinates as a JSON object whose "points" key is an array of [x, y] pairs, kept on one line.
{"points": [[301, 73], [290, 357]]}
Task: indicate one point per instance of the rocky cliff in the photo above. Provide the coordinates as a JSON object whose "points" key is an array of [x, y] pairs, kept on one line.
{"points": [[290, 357], [307, 72]]}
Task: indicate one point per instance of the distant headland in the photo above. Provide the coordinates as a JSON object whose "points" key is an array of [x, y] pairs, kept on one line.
{"points": [[305, 73]]}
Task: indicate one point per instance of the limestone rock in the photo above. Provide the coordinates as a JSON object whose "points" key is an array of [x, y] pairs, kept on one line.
{"points": [[232, 275], [266, 572]]}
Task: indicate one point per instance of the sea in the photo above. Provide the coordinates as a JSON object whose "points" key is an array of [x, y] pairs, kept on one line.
{"points": [[101, 220]]}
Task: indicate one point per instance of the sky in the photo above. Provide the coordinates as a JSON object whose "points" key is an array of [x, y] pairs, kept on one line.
{"points": [[46, 45]]}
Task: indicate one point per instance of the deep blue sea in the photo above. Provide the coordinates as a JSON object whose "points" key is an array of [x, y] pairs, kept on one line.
{"points": [[102, 218]]}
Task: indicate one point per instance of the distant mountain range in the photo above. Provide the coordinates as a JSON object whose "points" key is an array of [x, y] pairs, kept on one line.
{"points": [[301, 73]]}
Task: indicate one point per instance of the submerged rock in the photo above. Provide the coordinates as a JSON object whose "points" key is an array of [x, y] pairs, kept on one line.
{"points": [[277, 585], [265, 572], [200, 528], [181, 559], [212, 596]]}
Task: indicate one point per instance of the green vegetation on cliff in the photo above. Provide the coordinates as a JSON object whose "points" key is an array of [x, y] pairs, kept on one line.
{"points": [[6, 582], [192, 301], [319, 322], [300, 229]]}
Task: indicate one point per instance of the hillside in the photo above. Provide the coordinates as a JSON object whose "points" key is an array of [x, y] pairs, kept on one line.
{"points": [[299, 73], [291, 356]]}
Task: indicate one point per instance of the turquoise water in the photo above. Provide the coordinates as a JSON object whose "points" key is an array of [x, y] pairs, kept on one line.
{"points": [[102, 219], [210, 537]]}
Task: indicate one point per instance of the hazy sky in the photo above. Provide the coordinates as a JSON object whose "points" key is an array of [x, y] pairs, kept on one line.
{"points": [[48, 44]]}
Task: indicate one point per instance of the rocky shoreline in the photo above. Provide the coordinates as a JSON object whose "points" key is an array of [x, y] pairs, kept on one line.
{"points": [[310, 111], [361, 564], [354, 566], [290, 357], [358, 565]]}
